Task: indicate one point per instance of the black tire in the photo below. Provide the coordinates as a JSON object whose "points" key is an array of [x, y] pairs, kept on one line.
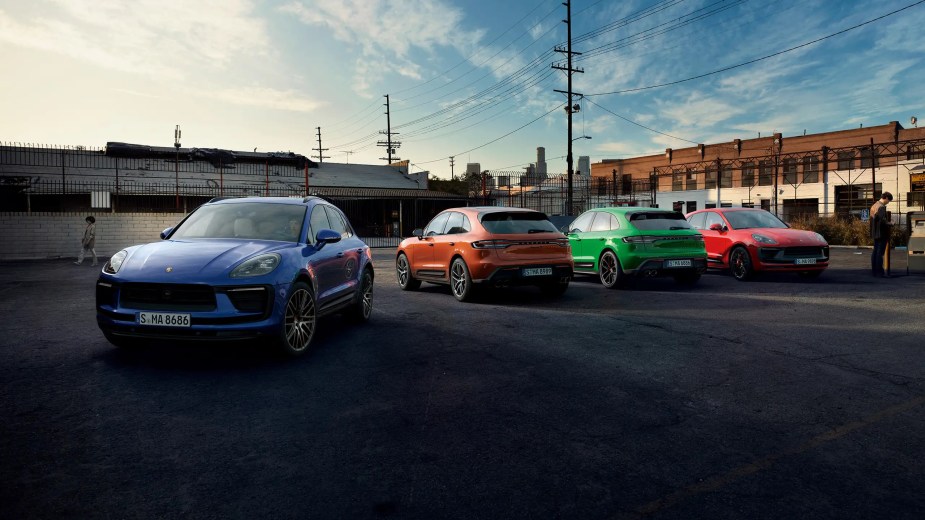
{"points": [[300, 320], [689, 278], [740, 264], [461, 281], [610, 272], [406, 281], [554, 289], [363, 307]]}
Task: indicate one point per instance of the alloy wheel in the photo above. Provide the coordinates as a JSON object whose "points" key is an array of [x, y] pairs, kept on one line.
{"points": [[300, 320]]}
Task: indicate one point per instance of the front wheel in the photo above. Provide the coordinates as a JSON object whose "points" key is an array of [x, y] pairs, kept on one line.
{"points": [[740, 264], [298, 327], [610, 272], [403, 274], [461, 281]]}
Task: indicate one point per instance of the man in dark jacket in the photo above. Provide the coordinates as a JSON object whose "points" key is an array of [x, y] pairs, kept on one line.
{"points": [[880, 233]]}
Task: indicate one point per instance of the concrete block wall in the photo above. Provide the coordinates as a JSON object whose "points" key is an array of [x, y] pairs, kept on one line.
{"points": [[57, 235]]}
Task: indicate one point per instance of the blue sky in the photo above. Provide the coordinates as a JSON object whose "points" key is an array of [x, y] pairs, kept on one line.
{"points": [[461, 75]]}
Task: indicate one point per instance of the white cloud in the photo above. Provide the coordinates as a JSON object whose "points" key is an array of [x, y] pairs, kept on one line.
{"points": [[387, 31], [155, 38], [263, 97]]}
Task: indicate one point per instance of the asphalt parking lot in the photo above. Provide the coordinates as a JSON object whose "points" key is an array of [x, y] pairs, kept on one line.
{"points": [[777, 398]]}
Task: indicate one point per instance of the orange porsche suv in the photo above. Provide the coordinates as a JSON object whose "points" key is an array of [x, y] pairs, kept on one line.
{"points": [[469, 248]]}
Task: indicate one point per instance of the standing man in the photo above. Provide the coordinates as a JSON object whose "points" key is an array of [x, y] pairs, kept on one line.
{"points": [[880, 233]]}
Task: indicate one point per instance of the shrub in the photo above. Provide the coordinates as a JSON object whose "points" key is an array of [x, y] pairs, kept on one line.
{"points": [[845, 231]]}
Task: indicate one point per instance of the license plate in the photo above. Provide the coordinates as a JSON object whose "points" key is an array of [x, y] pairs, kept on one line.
{"points": [[537, 271], [805, 261], [678, 263], [163, 319]]}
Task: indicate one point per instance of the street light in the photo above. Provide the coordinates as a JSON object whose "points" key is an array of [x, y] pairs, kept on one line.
{"points": [[581, 137]]}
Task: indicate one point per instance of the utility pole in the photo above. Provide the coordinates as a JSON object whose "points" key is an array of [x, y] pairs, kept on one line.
{"points": [[347, 153], [321, 157], [569, 108], [452, 175], [389, 144]]}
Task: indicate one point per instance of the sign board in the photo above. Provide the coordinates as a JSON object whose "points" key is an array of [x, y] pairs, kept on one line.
{"points": [[917, 181]]}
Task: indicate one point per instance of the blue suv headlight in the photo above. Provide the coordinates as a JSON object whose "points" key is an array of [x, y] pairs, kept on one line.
{"points": [[115, 262], [257, 266]]}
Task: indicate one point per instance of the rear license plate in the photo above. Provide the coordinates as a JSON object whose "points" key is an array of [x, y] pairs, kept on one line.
{"points": [[537, 271], [678, 263], [805, 261], [163, 319]]}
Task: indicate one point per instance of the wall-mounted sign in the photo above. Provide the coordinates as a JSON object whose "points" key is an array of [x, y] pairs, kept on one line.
{"points": [[917, 181]]}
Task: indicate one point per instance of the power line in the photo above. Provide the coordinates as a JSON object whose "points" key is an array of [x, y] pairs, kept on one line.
{"points": [[639, 124], [724, 69], [468, 59], [499, 138]]}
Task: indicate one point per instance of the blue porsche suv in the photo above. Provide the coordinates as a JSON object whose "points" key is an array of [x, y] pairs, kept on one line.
{"points": [[261, 268]]}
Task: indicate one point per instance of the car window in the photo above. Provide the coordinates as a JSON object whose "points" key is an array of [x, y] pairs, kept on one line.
{"points": [[318, 222], [713, 218], [437, 225], [753, 219], [601, 222], [658, 220], [337, 221], [582, 223], [507, 223], [696, 220], [457, 223], [250, 220]]}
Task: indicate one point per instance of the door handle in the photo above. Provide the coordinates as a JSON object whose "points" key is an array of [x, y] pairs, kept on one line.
{"points": [[602, 239], [340, 255], [452, 243], [431, 244], [359, 250]]}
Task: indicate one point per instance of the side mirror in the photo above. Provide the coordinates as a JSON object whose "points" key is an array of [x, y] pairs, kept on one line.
{"points": [[326, 236], [165, 233], [716, 227], [418, 232]]}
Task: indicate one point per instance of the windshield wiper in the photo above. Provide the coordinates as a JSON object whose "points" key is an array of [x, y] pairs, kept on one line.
{"points": [[538, 231]]}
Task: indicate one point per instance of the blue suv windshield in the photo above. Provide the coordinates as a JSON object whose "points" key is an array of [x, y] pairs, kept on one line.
{"points": [[245, 220]]}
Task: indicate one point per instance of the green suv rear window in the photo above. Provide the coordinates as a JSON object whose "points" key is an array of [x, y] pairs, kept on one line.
{"points": [[658, 220]]}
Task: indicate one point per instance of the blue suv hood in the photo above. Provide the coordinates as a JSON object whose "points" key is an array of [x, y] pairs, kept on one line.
{"points": [[191, 259]]}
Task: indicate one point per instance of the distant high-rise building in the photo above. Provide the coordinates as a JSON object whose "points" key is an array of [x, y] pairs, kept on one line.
{"points": [[473, 168], [541, 161], [584, 165]]}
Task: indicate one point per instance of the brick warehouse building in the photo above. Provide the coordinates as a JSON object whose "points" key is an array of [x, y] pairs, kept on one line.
{"points": [[832, 173]]}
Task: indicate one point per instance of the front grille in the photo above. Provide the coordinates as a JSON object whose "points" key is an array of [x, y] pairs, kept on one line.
{"points": [[787, 255], [804, 252], [173, 297]]}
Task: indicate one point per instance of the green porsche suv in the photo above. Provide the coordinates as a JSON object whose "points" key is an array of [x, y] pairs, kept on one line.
{"points": [[617, 244]]}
